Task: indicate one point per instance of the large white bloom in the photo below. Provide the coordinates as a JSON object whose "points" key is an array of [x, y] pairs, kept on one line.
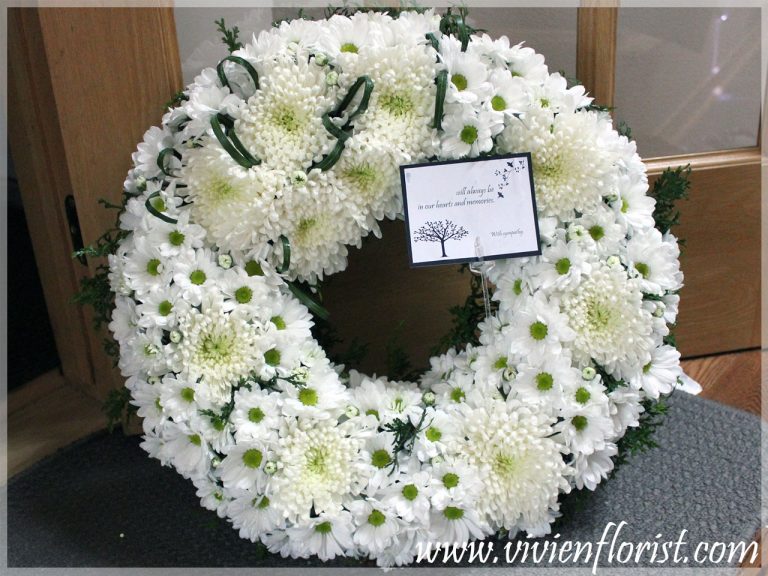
{"points": [[521, 466], [607, 315], [321, 465]]}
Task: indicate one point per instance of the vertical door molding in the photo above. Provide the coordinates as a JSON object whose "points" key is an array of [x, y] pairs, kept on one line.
{"points": [[596, 48]]}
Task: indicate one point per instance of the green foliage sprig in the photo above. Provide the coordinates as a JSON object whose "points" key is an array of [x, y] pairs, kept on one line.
{"points": [[229, 35], [673, 185]]}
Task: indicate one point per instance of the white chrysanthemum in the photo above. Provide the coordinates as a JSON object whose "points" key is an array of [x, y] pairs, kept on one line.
{"points": [[282, 124], [177, 398], [256, 415], [238, 207], [324, 222], [398, 121], [243, 467], [409, 496], [573, 155], [520, 465], [216, 348], [606, 314], [321, 465], [586, 428]]}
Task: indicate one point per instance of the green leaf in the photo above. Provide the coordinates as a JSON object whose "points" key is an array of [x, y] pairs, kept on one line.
{"points": [[673, 185], [229, 35]]}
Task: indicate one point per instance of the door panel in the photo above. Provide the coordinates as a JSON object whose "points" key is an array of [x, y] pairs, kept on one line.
{"points": [[100, 83]]}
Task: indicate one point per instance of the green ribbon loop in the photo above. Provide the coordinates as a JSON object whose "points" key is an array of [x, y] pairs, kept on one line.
{"points": [[155, 212], [161, 159], [309, 302], [230, 142], [433, 40], [342, 133], [442, 87], [240, 61], [286, 255]]}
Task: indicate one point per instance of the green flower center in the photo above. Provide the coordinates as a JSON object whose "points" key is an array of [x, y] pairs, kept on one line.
{"points": [[410, 492], [308, 397], [396, 104], [272, 357], [278, 322], [579, 422], [453, 513], [380, 458], [263, 503], [505, 465], [153, 267], [253, 268], [599, 314], [624, 205], [363, 176], [243, 295], [323, 528], [544, 381], [450, 480], [643, 268], [457, 394], [498, 103], [544, 103], [538, 330], [597, 232], [252, 458], [372, 412], [197, 277], [255, 415], [468, 134], [349, 47], [376, 518], [460, 81], [158, 204], [195, 439], [285, 118], [187, 394], [164, 308], [433, 434], [305, 228], [647, 368], [220, 190], [316, 461], [501, 363], [216, 347], [517, 287], [582, 395], [563, 266], [176, 238]]}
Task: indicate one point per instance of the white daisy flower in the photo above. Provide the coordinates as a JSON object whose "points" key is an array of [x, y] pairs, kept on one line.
{"points": [[585, 429], [661, 374], [539, 329], [243, 467], [325, 536], [256, 415], [320, 396], [468, 81], [544, 381], [160, 307], [376, 525], [186, 450], [177, 398], [468, 132], [211, 496], [146, 397], [654, 261], [409, 496], [456, 525], [633, 206], [253, 515], [591, 469], [195, 273]]}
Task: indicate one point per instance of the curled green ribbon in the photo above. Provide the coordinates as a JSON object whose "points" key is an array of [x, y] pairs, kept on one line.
{"points": [[155, 212], [224, 130], [240, 61]]}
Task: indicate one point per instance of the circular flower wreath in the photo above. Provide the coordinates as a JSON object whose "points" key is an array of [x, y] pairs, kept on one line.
{"points": [[276, 161]]}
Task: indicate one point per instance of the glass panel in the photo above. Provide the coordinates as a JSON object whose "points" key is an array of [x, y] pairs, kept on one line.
{"points": [[688, 79], [200, 43], [549, 31]]}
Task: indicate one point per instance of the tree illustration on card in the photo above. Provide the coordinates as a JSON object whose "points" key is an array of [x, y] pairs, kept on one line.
{"points": [[439, 231]]}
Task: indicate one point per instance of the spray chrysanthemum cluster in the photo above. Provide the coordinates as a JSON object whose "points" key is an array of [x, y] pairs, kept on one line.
{"points": [[268, 169]]}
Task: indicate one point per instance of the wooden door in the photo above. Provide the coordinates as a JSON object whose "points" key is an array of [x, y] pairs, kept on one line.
{"points": [[84, 85], [720, 223]]}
